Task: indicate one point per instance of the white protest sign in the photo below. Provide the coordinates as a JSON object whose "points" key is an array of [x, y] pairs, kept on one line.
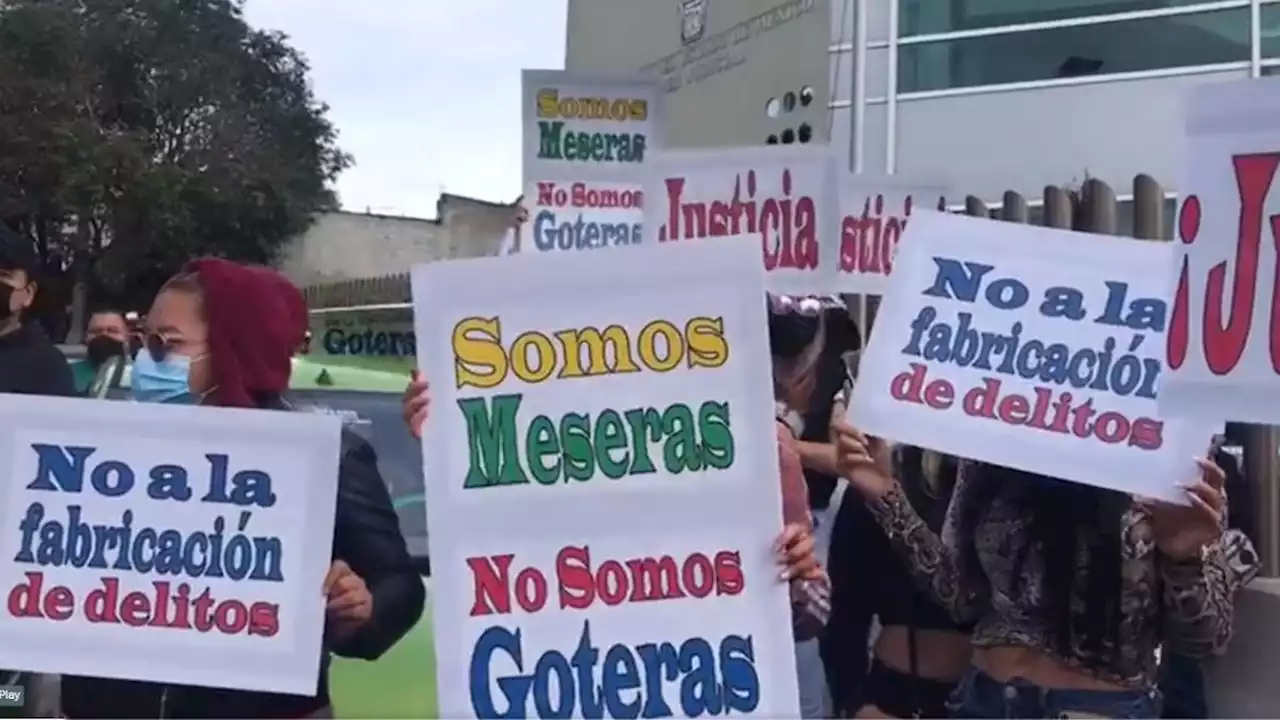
{"points": [[782, 196], [582, 214], [585, 142], [166, 543], [1224, 334], [874, 213], [603, 483], [1028, 347]]}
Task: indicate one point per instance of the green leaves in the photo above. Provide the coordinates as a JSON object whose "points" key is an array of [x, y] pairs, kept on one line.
{"points": [[161, 130]]}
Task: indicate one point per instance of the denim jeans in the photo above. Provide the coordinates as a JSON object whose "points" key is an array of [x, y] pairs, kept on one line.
{"points": [[1182, 684], [981, 696], [811, 679]]}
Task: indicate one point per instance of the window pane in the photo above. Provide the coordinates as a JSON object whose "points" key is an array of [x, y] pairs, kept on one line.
{"points": [[926, 17], [1148, 44], [1270, 33]]}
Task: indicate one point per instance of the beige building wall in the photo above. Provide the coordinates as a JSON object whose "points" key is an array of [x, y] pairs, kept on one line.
{"points": [[347, 245], [721, 61]]}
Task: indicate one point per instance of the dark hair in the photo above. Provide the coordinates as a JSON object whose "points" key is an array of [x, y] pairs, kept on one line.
{"points": [[107, 310], [790, 334], [843, 334], [1065, 521]]}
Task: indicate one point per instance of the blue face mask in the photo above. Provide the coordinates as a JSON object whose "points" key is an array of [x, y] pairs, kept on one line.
{"points": [[162, 382]]}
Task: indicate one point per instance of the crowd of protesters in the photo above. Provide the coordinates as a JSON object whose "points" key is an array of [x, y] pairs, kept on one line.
{"points": [[922, 585]]}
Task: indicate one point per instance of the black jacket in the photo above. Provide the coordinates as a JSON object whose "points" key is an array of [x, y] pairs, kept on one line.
{"points": [[367, 536], [30, 364]]}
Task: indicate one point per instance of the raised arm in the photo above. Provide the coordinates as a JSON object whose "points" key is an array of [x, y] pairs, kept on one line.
{"points": [[939, 565]]}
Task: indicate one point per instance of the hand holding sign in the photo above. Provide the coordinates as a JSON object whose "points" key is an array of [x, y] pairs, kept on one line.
{"points": [[863, 461], [417, 403], [1002, 343], [350, 604], [1183, 531], [176, 544], [796, 554]]}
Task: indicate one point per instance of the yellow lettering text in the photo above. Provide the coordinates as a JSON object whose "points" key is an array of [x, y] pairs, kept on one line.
{"points": [[599, 346], [707, 346], [478, 357], [550, 106], [482, 360], [649, 353], [544, 362]]}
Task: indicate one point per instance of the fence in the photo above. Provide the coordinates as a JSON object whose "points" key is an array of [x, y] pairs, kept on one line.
{"points": [[365, 291], [1092, 207]]}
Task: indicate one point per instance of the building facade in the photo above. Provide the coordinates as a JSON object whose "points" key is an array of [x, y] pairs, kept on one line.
{"points": [[991, 95], [737, 72], [351, 245], [987, 95]]}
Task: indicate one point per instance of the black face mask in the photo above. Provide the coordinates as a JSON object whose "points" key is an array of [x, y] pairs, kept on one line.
{"points": [[6, 295], [101, 349]]}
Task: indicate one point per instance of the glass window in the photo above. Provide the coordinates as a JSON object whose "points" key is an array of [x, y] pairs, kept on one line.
{"points": [[1134, 45], [927, 17], [1270, 34]]}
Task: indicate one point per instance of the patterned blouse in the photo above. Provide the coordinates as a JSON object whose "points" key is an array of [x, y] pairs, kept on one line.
{"points": [[1185, 604]]}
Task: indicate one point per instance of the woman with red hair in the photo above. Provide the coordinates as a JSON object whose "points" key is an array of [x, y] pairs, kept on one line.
{"points": [[221, 333]]}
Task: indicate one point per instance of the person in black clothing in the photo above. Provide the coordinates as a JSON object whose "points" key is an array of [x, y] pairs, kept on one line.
{"points": [[920, 652], [844, 658], [224, 334], [30, 364]]}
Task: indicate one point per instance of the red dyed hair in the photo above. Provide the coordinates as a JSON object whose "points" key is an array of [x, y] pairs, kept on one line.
{"points": [[257, 319]]}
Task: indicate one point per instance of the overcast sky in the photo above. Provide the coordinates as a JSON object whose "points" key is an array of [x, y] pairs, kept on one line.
{"points": [[425, 93]]}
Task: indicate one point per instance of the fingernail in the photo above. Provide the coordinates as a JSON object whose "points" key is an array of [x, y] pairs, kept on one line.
{"points": [[785, 575]]}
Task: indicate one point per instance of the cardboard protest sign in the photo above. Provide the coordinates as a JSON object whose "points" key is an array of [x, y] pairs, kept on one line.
{"points": [[586, 140], [165, 543], [782, 196], [582, 215], [602, 475], [1028, 347], [874, 214], [1224, 335], [590, 127]]}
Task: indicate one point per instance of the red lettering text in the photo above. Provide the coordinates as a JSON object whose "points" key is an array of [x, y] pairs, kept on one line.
{"points": [[787, 226]]}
